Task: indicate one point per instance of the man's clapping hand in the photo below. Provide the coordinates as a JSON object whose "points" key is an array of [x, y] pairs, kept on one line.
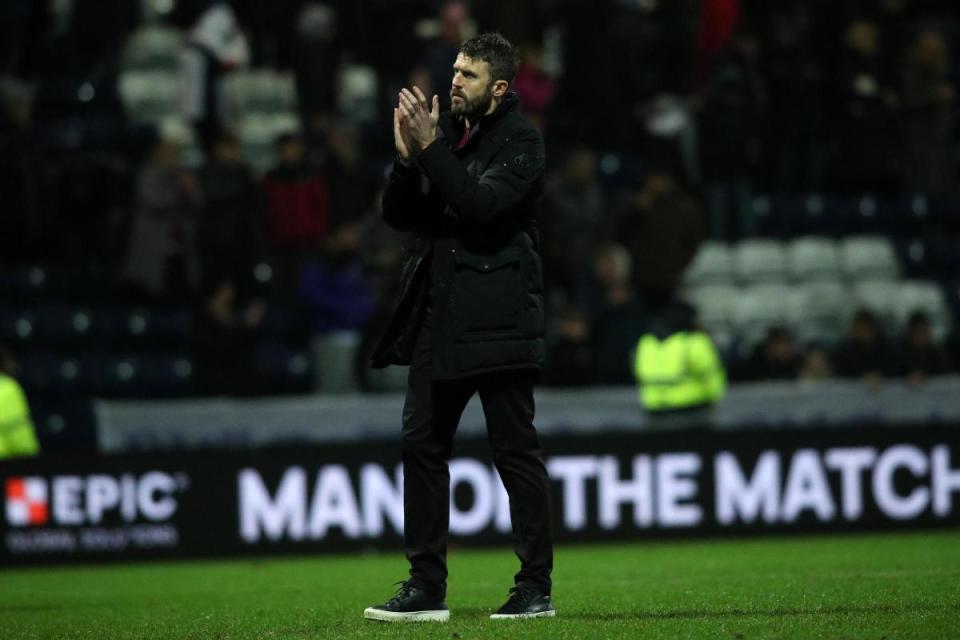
{"points": [[415, 122], [401, 136]]}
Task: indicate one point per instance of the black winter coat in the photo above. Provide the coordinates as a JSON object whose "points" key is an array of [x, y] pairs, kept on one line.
{"points": [[473, 254]]}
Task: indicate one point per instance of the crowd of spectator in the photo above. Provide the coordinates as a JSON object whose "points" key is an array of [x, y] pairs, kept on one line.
{"points": [[662, 119], [864, 352]]}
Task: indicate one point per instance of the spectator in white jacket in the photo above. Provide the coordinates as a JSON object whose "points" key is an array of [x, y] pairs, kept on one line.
{"points": [[215, 46]]}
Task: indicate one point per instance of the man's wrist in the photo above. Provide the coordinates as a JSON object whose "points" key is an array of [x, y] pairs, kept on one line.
{"points": [[424, 147], [403, 166]]}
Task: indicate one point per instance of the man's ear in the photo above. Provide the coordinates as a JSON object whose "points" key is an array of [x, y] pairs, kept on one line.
{"points": [[500, 88]]}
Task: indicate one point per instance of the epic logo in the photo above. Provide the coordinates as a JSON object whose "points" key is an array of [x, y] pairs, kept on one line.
{"points": [[79, 500], [27, 501]]}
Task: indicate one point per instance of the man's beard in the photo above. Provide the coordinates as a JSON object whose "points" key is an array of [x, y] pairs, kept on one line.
{"points": [[472, 109]]}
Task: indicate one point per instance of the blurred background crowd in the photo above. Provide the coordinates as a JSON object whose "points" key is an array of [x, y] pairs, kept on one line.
{"points": [[190, 188]]}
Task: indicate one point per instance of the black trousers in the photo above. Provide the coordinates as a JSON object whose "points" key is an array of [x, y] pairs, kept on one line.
{"points": [[431, 414]]}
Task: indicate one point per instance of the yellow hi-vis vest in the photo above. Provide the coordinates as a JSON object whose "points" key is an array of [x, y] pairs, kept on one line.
{"points": [[681, 371], [17, 437]]}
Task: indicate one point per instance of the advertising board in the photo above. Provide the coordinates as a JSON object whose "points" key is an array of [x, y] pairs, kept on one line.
{"points": [[617, 486]]}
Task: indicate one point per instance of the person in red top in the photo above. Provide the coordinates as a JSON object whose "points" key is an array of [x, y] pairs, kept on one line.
{"points": [[297, 199]]}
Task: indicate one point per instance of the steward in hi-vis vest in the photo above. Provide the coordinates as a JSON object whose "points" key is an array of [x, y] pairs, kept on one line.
{"points": [[677, 366], [17, 437]]}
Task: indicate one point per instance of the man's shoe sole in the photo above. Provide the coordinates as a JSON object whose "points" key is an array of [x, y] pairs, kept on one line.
{"points": [[438, 615], [516, 616]]}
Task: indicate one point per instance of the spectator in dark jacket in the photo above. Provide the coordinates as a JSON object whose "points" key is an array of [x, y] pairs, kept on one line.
{"points": [[433, 73], [776, 358], [354, 181], [864, 351], [317, 59], [229, 235], [919, 356], [15, 18], [794, 79], [861, 114], [225, 334], [662, 227], [730, 136], [570, 359], [574, 204], [816, 365], [618, 320], [928, 105]]}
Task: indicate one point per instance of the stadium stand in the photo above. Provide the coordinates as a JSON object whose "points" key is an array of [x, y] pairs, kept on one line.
{"points": [[816, 244]]}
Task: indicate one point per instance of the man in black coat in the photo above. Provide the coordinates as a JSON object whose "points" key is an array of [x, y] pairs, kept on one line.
{"points": [[467, 186]]}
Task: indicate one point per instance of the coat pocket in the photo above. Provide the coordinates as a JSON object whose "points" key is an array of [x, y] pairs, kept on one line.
{"points": [[489, 290]]}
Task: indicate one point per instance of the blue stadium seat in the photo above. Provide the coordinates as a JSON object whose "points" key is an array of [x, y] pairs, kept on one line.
{"points": [[158, 327], [38, 372], [812, 214], [17, 327], [766, 217], [67, 325], [118, 377], [46, 373], [866, 215], [23, 286], [166, 375], [285, 370], [64, 425], [942, 253], [934, 257], [915, 257], [778, 216], [909, 216], [944, 213]]}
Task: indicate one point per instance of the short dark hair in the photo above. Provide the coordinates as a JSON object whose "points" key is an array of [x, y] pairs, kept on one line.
{"points": [[286, 138], [918, 318], [496, 51], [226, 137]]}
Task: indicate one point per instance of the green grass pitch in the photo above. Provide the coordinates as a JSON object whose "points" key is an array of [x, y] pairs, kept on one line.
{"points": [[890, 586]]}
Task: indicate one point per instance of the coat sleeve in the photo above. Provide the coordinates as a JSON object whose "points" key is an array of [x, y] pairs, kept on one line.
{"points": [[405, 203], [509, 178]]}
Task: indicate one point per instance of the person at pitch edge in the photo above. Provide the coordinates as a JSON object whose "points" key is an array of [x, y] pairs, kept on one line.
{"points": [[467, 186]]}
